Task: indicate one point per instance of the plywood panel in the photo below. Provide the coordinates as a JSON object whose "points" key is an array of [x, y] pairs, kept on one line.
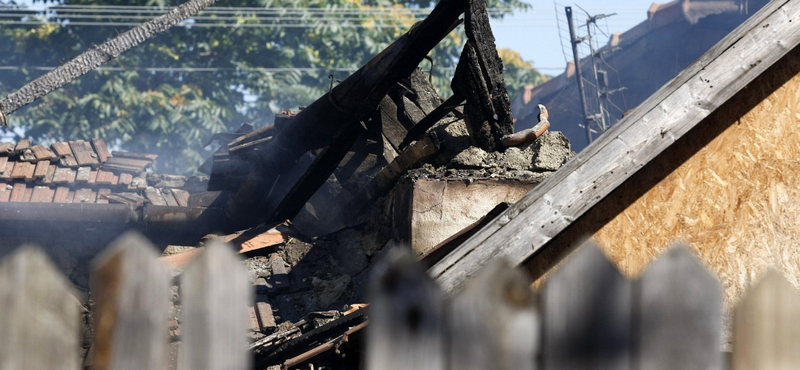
{"points": [[729, 189]]}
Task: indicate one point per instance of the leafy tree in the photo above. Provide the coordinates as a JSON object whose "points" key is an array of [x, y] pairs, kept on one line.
{"points": [[518, 72], [228, 66]]}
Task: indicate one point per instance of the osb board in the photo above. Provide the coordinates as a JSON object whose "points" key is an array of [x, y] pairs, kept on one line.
{"points": [[728, 187]]}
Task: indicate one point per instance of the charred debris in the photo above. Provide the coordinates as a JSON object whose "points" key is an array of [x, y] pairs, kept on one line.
{"points": [[312, 200]]}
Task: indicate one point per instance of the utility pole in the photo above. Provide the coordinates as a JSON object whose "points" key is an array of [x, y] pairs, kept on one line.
{"points": [[575, 41]]}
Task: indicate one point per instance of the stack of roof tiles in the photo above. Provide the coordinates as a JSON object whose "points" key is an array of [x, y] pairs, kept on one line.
{"points": [[79, 172]]}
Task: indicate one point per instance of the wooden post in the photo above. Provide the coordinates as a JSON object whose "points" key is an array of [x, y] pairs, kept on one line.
{"points": [[493, 323], [216, 294], [586, 310], [406, 328], [131, 289], [679, 315], [39, 315], [766, 329]]}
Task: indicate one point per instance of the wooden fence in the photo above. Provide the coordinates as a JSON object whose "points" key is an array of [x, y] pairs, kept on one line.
{"points": [[588, 316]]}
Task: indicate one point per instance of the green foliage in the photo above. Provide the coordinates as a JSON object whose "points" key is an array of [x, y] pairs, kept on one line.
{"points": [[240, 70], [518, 73]]}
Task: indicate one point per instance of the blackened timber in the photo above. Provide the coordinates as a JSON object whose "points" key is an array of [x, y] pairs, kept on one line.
{"points": [[479, 78], [353, 100], [426, 123], [316, 175]]}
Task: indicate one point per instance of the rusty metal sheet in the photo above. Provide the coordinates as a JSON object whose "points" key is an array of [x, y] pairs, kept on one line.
{"points": [[5, 192], [83, 174], [17, 192], [101, 149], [41, 169]]}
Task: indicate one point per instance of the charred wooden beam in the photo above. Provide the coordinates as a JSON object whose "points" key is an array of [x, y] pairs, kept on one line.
{"points": [[353, 100], [479, 78]]}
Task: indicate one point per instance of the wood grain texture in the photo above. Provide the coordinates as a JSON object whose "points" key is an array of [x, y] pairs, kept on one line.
{"points": [[586, 310], [678, 312], [39, 324], [406, 329], [629, 145], [131, 289], [215, 295], [493, 322], [766, 331]]}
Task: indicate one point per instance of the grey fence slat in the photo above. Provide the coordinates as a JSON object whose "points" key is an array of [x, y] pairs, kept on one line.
{"points": [[493, 323], [678, 310], [766, 331], [131, 289], [39, 315], [215, 295], [586, 314], [405, 314]]}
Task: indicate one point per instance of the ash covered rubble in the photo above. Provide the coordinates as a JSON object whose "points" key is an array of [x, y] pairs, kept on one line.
{"points": [[321, 192]]}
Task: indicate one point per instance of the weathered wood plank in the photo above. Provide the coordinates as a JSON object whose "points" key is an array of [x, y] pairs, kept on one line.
{"points": [[61, 149], [263, 308], [766, 330], [130, 289], [42, 153], [406, 329], [17, 192], [215, 296], [679, 315], [586, 310], [22, 145], [649, 129], [101, 149], [493, 322], [40, 316]]}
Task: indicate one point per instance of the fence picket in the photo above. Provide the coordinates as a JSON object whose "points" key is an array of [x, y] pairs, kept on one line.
{"points": [[39, 314], [493, 323], [131, 289], [678, 310], [586, 310], [215, 295], [766, 332], [405, 313]]}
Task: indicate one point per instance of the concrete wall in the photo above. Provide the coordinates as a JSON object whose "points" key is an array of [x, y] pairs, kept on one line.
{"points": [[441, 208]]}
